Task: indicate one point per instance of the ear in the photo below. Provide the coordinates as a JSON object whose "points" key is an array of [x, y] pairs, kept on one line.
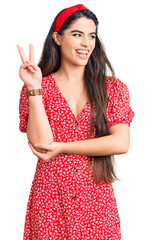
{"points": [[56, 38]]}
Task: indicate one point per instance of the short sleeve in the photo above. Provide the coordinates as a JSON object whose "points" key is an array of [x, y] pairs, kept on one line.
{"points": [[119, 110], [23, 110], [24, 102]]}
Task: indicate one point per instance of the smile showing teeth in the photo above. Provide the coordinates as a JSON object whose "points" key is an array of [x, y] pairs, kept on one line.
{"points": [[82, 52]]}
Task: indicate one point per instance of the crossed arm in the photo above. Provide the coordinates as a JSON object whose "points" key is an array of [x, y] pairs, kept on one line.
{"points": [[117, 142], [39, 131]]}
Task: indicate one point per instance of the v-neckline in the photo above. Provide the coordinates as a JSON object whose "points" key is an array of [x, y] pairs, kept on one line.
{"points": [[62, 96]]}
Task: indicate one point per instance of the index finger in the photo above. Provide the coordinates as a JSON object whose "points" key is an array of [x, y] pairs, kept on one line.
{"points": [[31, 54], [22, 54]]}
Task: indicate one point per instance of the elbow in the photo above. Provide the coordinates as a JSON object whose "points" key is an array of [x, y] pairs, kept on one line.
{"points": [[121, 137], [124, 147], [124, 150], [37, 138]]}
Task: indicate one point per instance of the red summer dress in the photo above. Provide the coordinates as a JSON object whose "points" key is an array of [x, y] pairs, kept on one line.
{"points": [[64, 202]]}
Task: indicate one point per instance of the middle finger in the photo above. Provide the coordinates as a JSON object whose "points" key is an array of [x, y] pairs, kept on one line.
{"points": [[31, 53]]}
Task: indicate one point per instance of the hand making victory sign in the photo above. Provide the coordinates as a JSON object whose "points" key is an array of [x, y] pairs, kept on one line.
{"points": [[29, 72]]}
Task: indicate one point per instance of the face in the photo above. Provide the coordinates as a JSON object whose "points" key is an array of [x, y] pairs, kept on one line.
{"points": [[78, 42]]}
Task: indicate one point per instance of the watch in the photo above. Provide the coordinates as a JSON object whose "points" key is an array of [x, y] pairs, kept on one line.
{"points": [[33, 92]]}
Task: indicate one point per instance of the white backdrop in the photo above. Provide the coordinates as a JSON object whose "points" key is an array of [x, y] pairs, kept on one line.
{"points": [[124, 29]]}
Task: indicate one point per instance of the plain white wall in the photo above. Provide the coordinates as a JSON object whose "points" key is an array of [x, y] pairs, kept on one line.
{"points": [[124, 29]]}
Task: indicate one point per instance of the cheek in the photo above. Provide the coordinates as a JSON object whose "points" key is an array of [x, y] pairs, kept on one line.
{"points": [[93, 46], [66, 51], [68, 47], [92, 49]]}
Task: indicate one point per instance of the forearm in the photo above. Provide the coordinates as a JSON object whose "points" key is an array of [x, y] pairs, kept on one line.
{"points": [[107, 145], [38, 127]]}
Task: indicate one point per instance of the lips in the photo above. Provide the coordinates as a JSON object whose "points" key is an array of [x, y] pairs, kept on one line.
{"points": [[82, 53]]}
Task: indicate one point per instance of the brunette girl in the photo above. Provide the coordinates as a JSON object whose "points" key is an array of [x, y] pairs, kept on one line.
{"points": [[77, 117]]}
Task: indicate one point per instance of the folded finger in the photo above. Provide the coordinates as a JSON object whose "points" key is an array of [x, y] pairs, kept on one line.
{"points": [[34, 65], [43, 146], [38, 154], [41, 150], [27, 65]]}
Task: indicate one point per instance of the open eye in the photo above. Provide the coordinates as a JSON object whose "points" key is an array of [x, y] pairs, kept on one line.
{"points": [[92, 36], [77, 35]]}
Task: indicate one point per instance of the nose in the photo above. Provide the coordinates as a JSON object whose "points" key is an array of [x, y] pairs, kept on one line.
{"points": [[85, 41]]}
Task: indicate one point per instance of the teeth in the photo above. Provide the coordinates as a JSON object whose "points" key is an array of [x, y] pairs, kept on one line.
{"points": [[82, 51]]}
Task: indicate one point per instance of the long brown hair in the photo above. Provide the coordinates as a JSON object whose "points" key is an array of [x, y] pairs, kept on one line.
{"points": [[96, 86]]}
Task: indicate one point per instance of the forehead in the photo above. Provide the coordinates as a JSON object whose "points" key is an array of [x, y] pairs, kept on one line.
{"points": [[83, 24]]}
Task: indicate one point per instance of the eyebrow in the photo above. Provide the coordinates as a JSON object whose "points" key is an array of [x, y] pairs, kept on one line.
{"points": [[82, 32]]}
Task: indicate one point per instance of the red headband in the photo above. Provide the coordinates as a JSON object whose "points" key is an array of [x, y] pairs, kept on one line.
{"points": [[65, 14]]}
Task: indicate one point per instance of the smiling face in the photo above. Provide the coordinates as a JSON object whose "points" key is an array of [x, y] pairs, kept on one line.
{"points": [[77, 42]]}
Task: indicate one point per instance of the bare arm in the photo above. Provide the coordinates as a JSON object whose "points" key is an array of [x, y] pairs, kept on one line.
{"points": [[117, 142], [38, 127]]}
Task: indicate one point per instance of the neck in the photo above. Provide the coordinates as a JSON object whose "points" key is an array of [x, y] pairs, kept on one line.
{"points": [[71, 73]]}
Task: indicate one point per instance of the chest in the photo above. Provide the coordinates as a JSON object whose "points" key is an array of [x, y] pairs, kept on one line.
{"points": [[75, 95]]}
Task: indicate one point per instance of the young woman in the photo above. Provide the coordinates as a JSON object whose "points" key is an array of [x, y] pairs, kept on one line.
{"points": [[75, 123]]}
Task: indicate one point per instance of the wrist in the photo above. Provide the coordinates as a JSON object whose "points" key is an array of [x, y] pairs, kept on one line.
{"points": [[33, 92], [35, 87], [63, 147]]}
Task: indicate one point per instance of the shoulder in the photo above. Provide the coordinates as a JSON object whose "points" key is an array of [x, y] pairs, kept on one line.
{"points": [[116, 88], [118, 110], [115, 84]]}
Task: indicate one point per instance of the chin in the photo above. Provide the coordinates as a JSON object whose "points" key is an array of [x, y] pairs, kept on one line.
{"points": [[81, 63]]}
